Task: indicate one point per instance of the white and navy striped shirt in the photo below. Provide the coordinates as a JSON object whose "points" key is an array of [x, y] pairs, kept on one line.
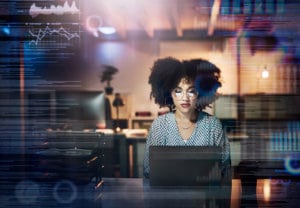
{"points": [[164, 131]]}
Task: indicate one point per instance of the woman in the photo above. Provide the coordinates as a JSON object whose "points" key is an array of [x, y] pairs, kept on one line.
{"points": [[186, 88]]}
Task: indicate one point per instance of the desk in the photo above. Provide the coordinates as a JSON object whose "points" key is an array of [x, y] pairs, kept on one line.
{"points": [[136, 192], [140, 122], [136, 147]]}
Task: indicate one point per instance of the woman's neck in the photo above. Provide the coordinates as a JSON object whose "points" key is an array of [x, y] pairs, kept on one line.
{"points": [[192, 116], [183, 116]]}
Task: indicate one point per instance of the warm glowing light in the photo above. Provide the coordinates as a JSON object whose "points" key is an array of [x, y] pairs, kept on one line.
{"points": [[265, 74], [118, 129], [236, 192], [100, 125], [214, 15], [267, 190]]}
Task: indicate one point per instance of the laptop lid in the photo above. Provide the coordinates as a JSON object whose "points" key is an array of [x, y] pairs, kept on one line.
{"points": [[185, 165]]}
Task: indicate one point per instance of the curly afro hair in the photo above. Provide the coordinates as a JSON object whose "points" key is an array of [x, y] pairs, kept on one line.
{"points": [[166, 73], [206, 80]]}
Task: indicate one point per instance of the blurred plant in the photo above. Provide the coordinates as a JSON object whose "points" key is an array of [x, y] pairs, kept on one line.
{"points": [[107, 74]]}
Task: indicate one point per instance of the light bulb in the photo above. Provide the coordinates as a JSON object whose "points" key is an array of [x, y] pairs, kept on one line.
{"points": [[265, 74]]}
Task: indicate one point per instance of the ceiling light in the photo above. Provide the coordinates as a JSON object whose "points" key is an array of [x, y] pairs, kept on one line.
{"points": [[107, 30]]}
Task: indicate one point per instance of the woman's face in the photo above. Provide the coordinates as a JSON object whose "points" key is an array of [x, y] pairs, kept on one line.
{"points": [[184, 97]]}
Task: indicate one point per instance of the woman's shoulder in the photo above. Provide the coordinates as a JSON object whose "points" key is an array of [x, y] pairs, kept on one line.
{"points": [[212, 121], [208, 117], [164, 117]]}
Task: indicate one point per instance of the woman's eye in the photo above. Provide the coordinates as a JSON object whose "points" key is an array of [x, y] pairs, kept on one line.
{"points": [[192, 93], [178, 94], [177, 91]]}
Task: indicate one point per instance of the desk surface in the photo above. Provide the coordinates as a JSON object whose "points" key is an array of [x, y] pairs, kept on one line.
{"points": [[136, 192]]}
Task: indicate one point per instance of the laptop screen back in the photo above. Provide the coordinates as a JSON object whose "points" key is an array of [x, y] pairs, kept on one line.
{"points": [[185, 165]]}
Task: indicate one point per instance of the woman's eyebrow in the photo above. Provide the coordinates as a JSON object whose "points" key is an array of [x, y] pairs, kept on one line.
{"points": [[177, 88], [191, 87]]}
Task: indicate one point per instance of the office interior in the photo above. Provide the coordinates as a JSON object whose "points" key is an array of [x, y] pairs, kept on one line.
{"points": [[66, 132]]}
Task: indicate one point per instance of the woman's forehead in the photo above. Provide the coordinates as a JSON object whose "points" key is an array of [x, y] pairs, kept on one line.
{"points": [[184, 82]]}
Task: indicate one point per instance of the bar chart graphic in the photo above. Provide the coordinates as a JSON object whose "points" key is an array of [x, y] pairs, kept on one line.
{"points": [[34, 10]]}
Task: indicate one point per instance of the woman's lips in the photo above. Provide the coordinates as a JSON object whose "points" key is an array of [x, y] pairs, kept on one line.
{"points": [[185, 105]]}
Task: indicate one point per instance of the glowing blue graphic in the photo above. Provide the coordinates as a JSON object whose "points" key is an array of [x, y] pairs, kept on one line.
{"points": [[57, 10], [42, 33], [6, 30], [288, 161], [286, 140], [27, 192], [65, 192], [250, 7]]}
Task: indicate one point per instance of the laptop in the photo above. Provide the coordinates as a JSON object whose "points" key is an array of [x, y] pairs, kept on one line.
{"points": [[185, 165]]}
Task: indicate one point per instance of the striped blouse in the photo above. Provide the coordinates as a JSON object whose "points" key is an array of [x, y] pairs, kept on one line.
{"points": [[164, 131]]}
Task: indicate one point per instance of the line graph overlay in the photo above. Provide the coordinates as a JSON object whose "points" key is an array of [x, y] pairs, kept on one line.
{"points": [[54, 34]]}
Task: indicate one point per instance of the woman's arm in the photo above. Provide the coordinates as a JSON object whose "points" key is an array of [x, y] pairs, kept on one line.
{"points": [[155, 137], [222, 140]]}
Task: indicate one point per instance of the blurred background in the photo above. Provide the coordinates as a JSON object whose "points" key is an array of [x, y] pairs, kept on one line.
{"points": [[73, 72]]}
